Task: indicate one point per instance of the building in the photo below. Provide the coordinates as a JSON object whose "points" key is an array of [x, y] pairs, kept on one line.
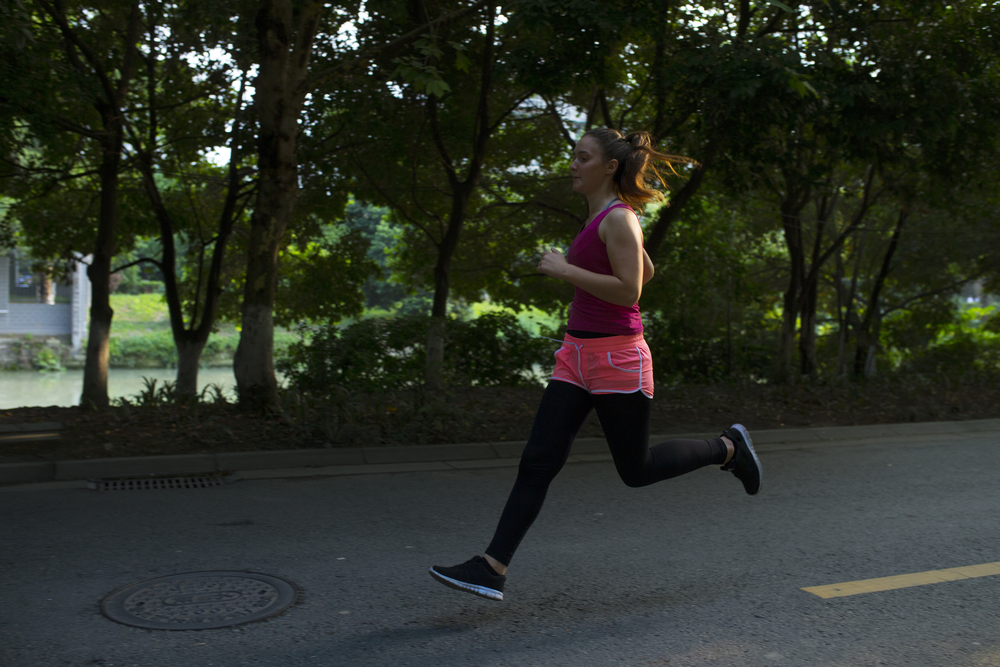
{"points": [[30, 303]]}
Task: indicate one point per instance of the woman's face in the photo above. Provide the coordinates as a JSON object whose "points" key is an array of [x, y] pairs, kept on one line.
{"points": [[589, 169]]}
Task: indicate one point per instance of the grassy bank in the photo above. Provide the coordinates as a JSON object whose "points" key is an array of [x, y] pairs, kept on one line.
{"points": [[141, 338]]}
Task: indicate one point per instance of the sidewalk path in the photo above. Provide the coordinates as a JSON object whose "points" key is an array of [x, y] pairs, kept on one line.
{"points": [[416, 458]]}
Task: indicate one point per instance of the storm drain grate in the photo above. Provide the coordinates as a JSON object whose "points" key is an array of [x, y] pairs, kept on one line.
{"points": [[159, 483]]}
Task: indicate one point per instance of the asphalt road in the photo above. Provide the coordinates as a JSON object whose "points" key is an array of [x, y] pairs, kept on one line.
{"points": [[688, 572]]}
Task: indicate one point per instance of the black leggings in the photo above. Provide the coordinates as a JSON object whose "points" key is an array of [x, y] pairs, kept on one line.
{"points": [[625, 419]]}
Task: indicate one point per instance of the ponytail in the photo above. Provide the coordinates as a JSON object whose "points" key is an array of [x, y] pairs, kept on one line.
{"points": [[637, 175]]}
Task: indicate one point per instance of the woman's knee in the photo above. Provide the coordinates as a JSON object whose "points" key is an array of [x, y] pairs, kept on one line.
{"points": [[633, 477], [540, 464]]}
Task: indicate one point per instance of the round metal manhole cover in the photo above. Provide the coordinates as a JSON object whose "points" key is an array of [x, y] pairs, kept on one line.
{"points": [[199, 600]]}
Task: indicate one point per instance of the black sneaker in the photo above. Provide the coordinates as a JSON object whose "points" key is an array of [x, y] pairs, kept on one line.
{"points": [[744, 464], [473, 576]]}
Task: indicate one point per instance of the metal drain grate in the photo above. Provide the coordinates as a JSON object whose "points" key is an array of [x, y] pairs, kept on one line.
{"points": [[158, 483]]}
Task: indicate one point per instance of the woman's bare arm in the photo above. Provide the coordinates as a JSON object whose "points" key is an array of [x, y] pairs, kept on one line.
{"points": [[621, 234]]}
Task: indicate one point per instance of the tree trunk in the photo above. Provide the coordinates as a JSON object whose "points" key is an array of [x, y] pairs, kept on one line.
{"points": [[866, 350], [807, 332], [442, 285], [807, 309], [253, 363], [785, 359], [870, 327], [872, 355], [461, 193], [845, 303], [434, 370], [792, 226], [188, 360], [284, 60], [47, 287], [95, 369]]}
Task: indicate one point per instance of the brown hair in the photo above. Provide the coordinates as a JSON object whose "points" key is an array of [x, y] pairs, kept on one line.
{"points": [[637, 174]]}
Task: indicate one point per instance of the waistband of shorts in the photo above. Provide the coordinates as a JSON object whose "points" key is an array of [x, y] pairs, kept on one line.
{"points": [[608, 344]]}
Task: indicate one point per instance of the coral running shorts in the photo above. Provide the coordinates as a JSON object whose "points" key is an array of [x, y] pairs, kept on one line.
{"points": [[612, 365]]}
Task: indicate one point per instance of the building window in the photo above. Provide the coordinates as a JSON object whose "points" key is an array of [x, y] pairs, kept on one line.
{"points": [[33, 282]]}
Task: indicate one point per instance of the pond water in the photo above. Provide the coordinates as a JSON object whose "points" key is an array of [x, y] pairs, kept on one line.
{"points": [[20, 389]]}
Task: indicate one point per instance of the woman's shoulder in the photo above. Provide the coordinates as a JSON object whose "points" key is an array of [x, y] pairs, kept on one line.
{"points": [[620, 222], [619, 218]]}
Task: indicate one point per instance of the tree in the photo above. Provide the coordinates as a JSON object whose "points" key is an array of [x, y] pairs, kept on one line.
{"points": [[185, 109], [864, 111], [927, 117], [82, 58], [286, 32]]}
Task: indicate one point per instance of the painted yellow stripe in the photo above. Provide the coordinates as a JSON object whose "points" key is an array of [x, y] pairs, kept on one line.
{"points": [[904, 580]]}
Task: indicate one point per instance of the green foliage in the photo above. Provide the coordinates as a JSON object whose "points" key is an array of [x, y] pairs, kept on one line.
{"points": [[154, 394], [991, 322], [321, 279], [374, 356], [467, 173], [962, 354], [156, 349], [47, 360], [40, 355], [918, 327], [705, 312], [151, 395], [382, 290], [705, 356], [141, 336], [966, 348], [774, 99], [421, 74], [495, 350], [152, 350], [145, 309]]}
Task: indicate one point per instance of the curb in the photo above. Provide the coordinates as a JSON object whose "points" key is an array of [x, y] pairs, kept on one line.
{"points": [[414, 458]]}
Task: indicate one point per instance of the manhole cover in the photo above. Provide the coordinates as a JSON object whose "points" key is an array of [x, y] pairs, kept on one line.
{"points": [[199, 600]]}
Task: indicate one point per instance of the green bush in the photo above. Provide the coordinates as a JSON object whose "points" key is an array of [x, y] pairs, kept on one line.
{"points": [[47, 359], [494, 350], [155, 348], [697, 357], [374, 356], [150, 350], [961, 353], [40, 355], [963, 345]]}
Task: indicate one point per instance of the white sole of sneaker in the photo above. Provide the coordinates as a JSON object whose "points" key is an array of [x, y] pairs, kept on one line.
{"points": [[481, 591], [749, 441]]}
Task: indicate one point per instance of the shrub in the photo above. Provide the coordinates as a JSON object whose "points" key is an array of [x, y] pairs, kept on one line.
{"points": [[155, 349], [961, 354], [373, 356], [494, 350], [46, 359], [682, 355], [45, 356]]}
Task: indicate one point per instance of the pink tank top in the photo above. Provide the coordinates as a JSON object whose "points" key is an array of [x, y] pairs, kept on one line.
{"points": [[589, 313]]}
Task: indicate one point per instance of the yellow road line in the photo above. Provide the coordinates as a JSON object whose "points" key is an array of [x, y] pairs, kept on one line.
{"points": [[904, 580]]}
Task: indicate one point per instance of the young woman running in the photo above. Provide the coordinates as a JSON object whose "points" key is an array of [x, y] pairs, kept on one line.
{"points": [[603, 363]]}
